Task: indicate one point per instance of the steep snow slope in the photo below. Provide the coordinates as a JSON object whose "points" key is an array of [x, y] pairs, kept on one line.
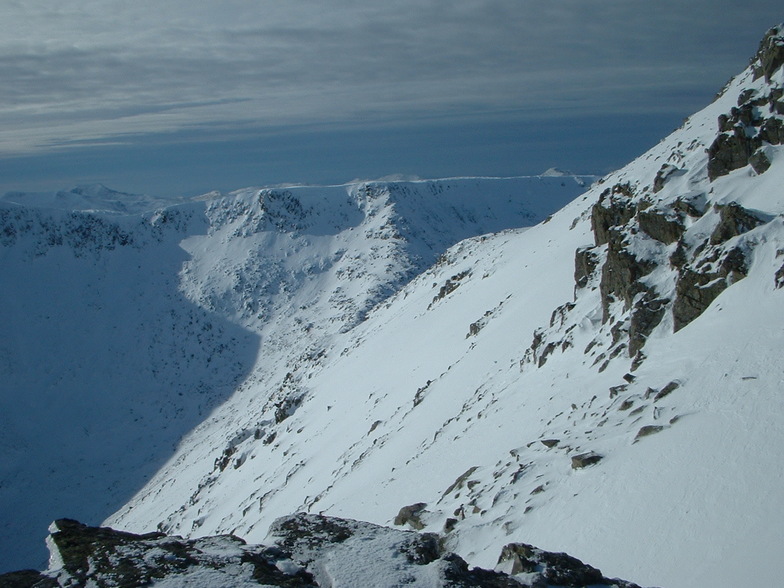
{"points": [[636, 425], [122, 332]]}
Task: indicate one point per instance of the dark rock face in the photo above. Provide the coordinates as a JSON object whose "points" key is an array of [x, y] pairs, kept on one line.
{"points": [[694, 293], [586, 260], [310, 550], [27, 579], [665, 228], [734, 220], [730, 152], [555, 569], [779, 277], [759, 161], [753, 123], [614, 209], [621, 273], [646, 314], [770, 54]]}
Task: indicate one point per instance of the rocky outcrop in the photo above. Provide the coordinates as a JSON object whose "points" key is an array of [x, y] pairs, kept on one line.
{"points": [[555, 569], [747, 128], [310, 550], [614, 209], [770, 56]]}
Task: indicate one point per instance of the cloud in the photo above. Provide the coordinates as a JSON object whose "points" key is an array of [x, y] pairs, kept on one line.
{"points": [[92, 70]]}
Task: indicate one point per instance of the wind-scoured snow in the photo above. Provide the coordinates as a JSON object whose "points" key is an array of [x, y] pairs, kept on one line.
{"points": [[124, 327]]}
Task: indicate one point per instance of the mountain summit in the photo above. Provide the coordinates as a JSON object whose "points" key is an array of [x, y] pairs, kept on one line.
{"points": [[606, 382]]}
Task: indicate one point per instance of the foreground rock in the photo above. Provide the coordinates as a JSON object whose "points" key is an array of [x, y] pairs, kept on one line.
{"points": [[309, 550]]}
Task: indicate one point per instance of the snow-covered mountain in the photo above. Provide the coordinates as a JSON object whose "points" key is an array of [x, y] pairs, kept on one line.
{"points": [[607, 382], [122, 331]]}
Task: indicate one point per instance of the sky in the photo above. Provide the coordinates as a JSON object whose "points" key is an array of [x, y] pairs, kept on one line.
{"points": [[178, 97]]}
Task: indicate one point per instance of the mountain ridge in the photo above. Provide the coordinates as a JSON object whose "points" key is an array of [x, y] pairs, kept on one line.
{"points": [[623, 378], [132, 328], [606, 381]]}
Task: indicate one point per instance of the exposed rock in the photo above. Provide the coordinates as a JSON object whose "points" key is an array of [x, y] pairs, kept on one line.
{"points": [[693, 206], [621, 274], [99, 556], [729, 152], [779, 277], [410, 515], [613, 209], [668, 389], [695, 289], [456, 485], [734, 220], [310, 550], [664, 227], [663, 175], [27, 579], [770, 55], [449, 286], [772, 130], [648, 430], [646, 315], [549, 442], [553, 569], [759, 161], [586, 260], [693, 294], [585, 459]]}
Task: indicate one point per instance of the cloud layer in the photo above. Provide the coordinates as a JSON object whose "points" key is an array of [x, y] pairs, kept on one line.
{"points": [[105, 70]]}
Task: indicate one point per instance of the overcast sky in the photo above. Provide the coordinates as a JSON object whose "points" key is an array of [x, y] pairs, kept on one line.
{"points": [[181, 97]]}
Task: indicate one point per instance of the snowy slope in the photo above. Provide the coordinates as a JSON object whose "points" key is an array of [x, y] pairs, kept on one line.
{"points": [[123, 328], [636, 427]]}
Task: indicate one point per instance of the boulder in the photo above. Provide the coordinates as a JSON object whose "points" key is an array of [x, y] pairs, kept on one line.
{"points": [[647, 430], [585, 459], [410, 515]]}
